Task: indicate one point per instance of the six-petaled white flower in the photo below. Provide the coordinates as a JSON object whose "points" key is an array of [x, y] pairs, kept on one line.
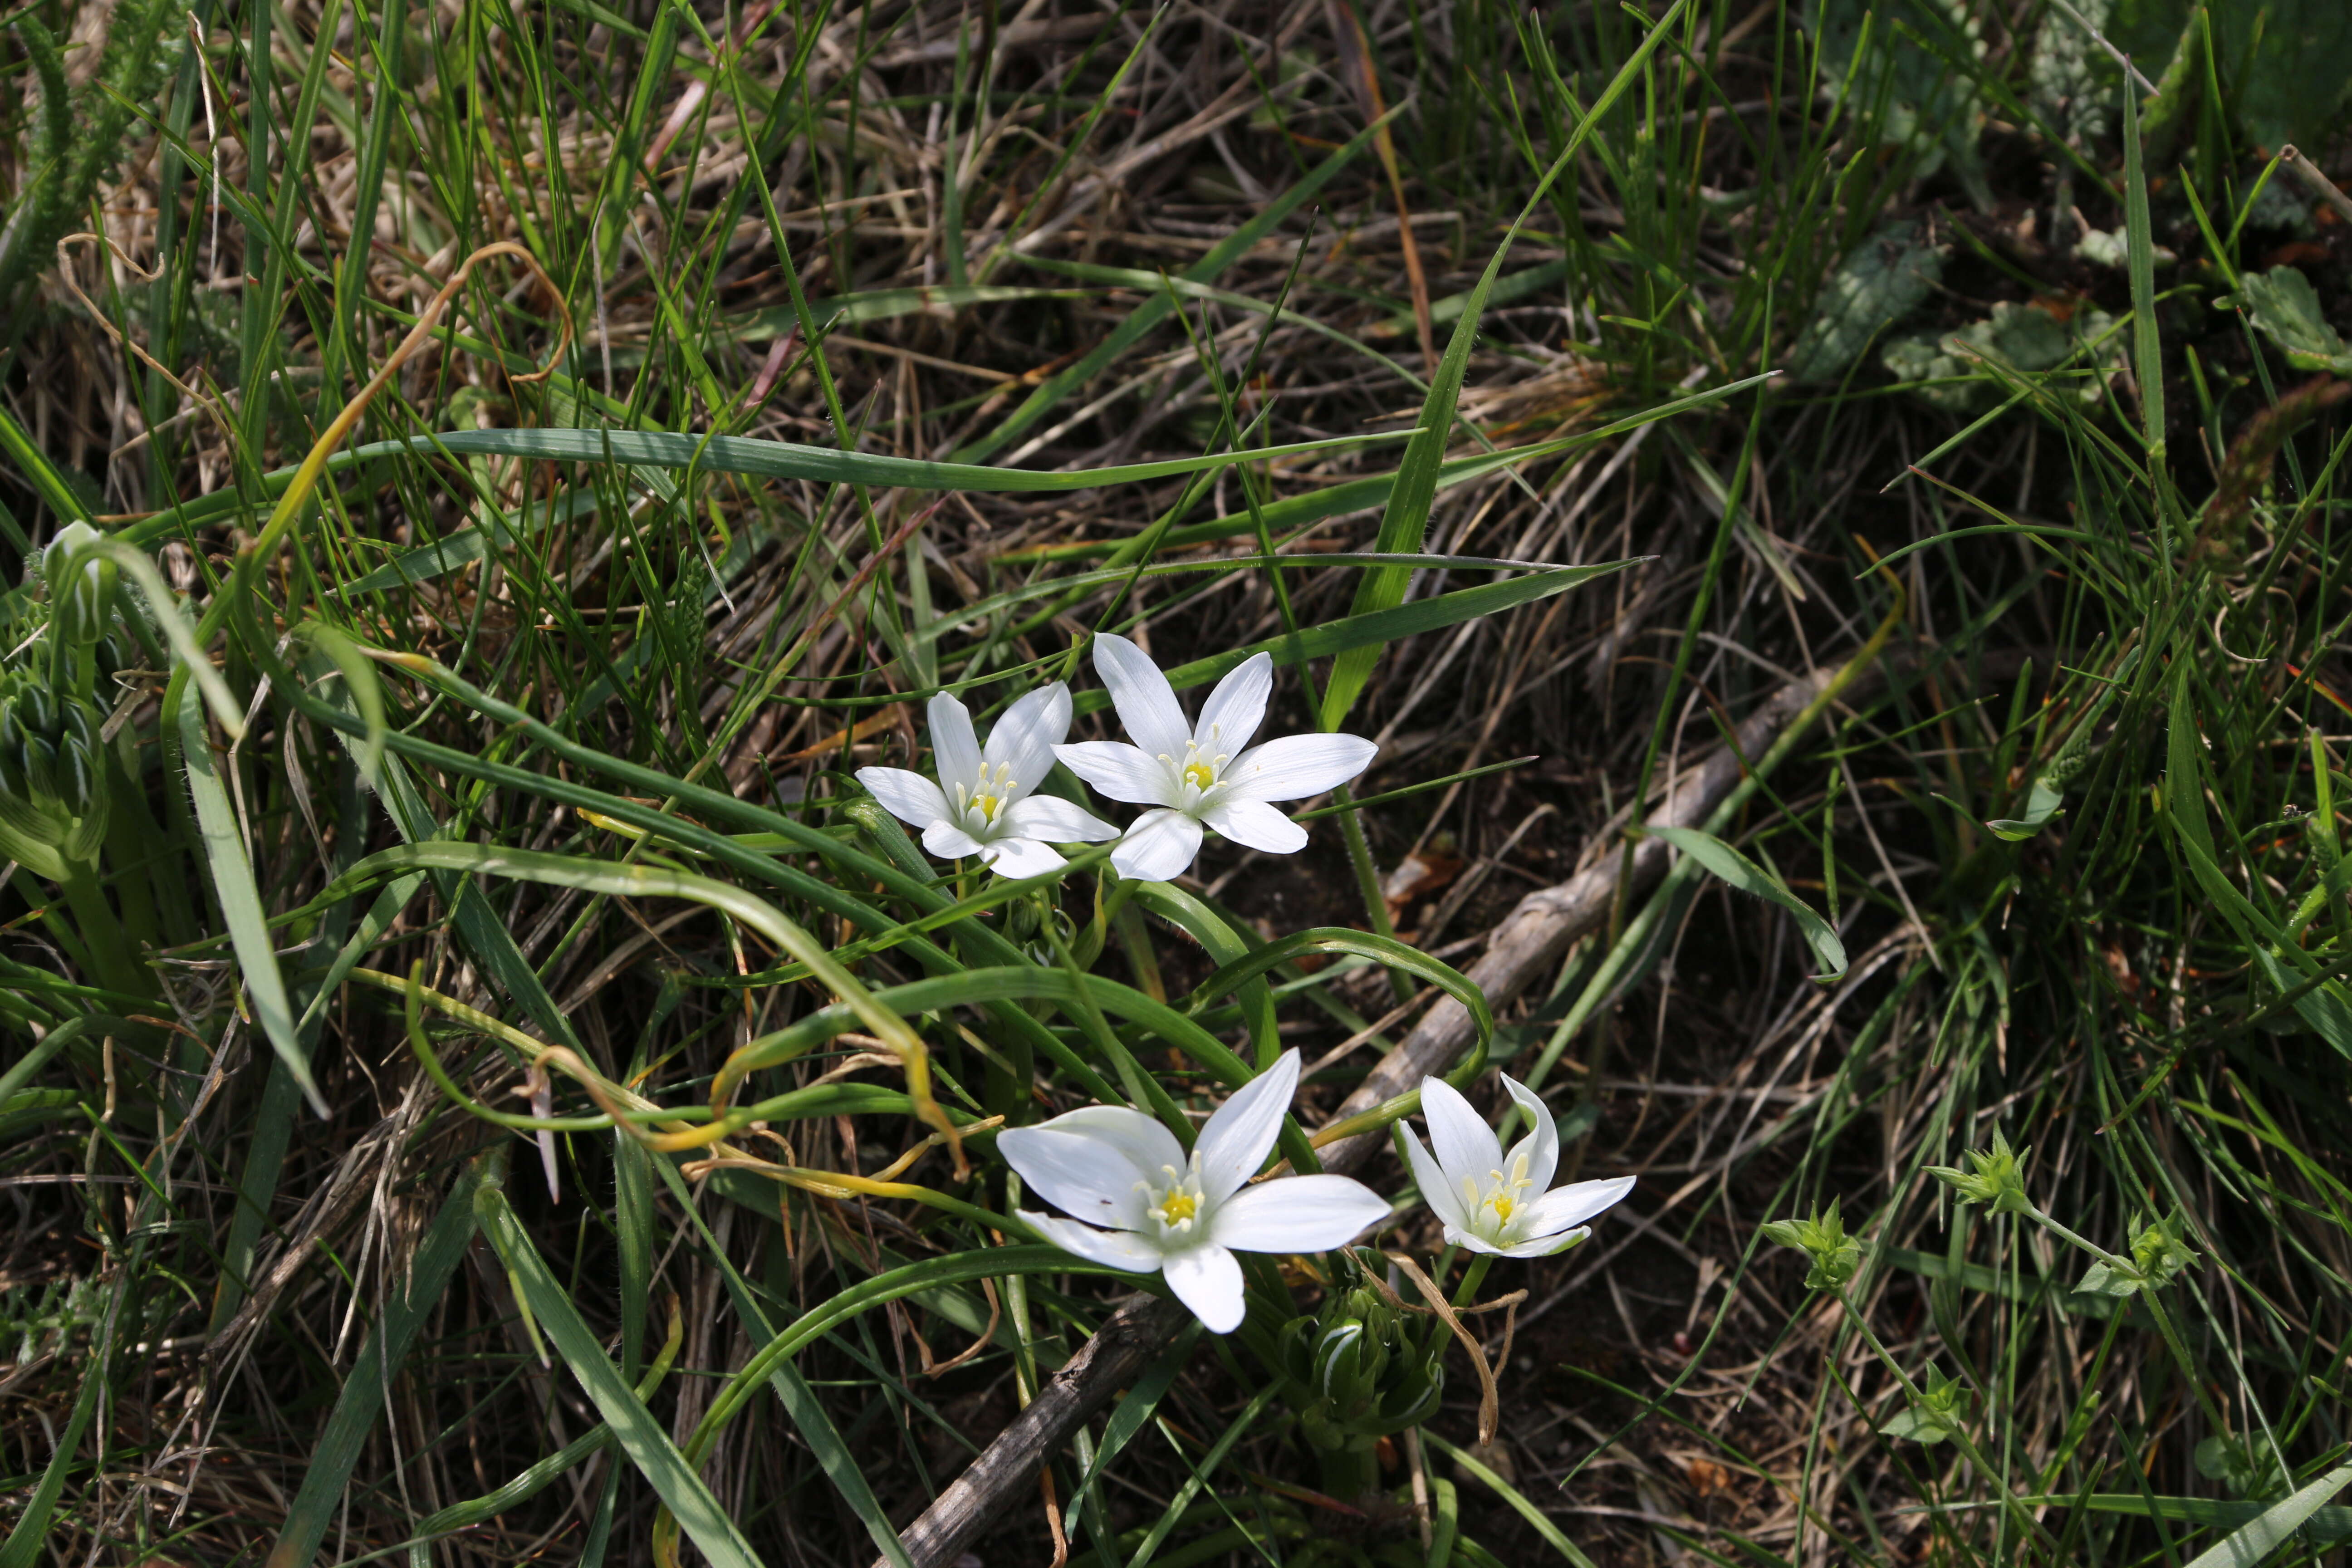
{"points": [[1185, 1216], [1206, 772], [983, 805], [1491, 1204]]}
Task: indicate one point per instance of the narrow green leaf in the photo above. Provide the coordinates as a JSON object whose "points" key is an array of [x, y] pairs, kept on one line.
{"points": [[818, 465], [2259, 1537], [338, 1445], [1539, 1520], [241, 899], [634, 1427], [1377, 627], [1749, 878], [1155, 310], [1387, 951], [1406, 519]]}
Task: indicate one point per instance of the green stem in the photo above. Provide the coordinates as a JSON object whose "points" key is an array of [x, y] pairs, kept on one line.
{"points": [[2165, 1327], [101, 932], [1960, 1438]]}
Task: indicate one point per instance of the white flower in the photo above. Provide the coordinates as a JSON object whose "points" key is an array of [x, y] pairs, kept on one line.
{"points": [[1185, 1217], [981, 805], [1200, 773], [1493, 1205]]}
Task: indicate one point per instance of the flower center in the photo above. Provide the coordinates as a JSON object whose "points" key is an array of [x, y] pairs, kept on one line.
{"points": [[980, 802], [1499, 1196], [1178, 1203], [1196, 772]]}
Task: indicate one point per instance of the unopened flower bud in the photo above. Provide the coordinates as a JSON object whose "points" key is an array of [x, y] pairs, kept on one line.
{"points": [[1997, 1180], [1837, 1256]]}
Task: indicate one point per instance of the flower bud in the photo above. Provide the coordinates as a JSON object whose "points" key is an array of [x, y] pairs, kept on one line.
{"points": [[2159, 1254], [37, 710], [82, 600], [1837, 1257], [78, 779], [1998, 1179], [40, 768]]}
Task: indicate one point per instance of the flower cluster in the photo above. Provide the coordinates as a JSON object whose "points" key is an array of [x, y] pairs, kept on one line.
{"points": [[1193, 776], [1150, 1207], [1137, 1199]]}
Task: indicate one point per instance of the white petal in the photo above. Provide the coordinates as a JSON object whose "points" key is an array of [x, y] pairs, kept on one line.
{"points": [[1146, 703], [954, 747], [1112, 1248], [1090, 1178], [1296, 766], [1121, 771], [909, 797], [1237, 708], [1437, 1191], [1542, 1145], [1024, 738], [1542, 1246], [1018, 857], [1297, 1214], [1563, 1207], [1207, 1280], [1050, 819], [1158, 846], [1464, 1145], [1254, 824], [1236, 1139], [1151, 1146], [949, 842]]}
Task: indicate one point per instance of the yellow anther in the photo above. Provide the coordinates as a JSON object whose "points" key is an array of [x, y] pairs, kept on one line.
{"points": [[1178, 1207], [1199, 776], [987, 804]]}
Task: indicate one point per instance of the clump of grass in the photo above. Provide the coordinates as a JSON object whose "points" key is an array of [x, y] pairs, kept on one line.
{"points": [[494, 1086]]}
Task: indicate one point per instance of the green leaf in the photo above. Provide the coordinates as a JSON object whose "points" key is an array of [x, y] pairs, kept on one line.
{"points": [[1903, 62], [2287, 64], [1387, 951], [2282, 305], [2271, 1529], [337, 1447], [1541, 1521], [1379, 628], [2322, 1524], [241, 899], [1749, 878], [1405, 521], [634, 1427], [2103, 1279], [1155, 309], [1886, 277], [1919, 1424], [817, 465], [2041, 803]]}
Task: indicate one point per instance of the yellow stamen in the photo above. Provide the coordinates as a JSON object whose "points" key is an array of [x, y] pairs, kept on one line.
{"points": [[1199, 776], [1178, 1207]]}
